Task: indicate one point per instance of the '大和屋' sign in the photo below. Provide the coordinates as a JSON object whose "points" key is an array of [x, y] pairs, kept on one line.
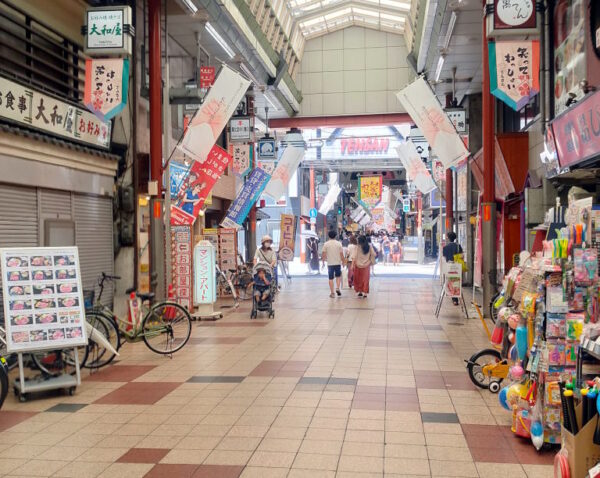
{"points": [[108, 31], [515, 71], [106, 85], [23, 105]]}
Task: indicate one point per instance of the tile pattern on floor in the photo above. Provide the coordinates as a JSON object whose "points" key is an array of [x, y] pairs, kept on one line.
{"points": [[330, 388]]}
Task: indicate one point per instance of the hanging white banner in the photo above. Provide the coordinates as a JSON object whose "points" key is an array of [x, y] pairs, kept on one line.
{"points": [[427, 113], [218, 106], [332, 194], [416, 171], [286, 167]]}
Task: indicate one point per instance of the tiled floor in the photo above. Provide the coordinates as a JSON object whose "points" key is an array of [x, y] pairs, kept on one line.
{"points": [[330, 388]]}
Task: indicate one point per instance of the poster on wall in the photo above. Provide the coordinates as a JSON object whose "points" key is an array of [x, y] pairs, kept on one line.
{"points": [[287, 240], [106, 85], [514, 71], [416, 171], [425, 110], [197, 185], [218, 106], [286, 167], [181, 258], [570, 64], [242, 159], [43, 298], [369, 190], [249, 194]]}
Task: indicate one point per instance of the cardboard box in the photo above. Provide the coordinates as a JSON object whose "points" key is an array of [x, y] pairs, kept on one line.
{"points": [[582, 454]]}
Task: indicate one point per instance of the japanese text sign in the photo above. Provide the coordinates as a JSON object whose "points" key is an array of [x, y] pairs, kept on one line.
{"points": [[369, 190], [31, 108], [43, 298], [453, 282], [209, 121], [205, 290], [577, 132], [242, 159], [240, 129], [416, 171], [285, 169], [107, 30], [248, 195], [425, 110], [106, 85], [198, 183], [181, 259], [287, 239], [207, 76], [514, 71]]}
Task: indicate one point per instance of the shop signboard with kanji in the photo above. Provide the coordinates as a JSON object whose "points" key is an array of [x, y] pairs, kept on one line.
{"points": [[196, 186], [207, 76], [287, 239], [242, 159], [181, 259], [248, 195], [43, 298], [108, 31], [369, 190], [511, 17], [514, 71], [106, 85], [205, 290], [26, 106]]}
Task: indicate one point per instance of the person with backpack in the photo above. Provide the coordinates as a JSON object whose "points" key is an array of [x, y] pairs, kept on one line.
{"points": [[449, 251]]}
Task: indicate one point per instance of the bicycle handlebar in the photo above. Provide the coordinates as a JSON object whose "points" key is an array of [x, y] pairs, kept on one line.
{"points": [[105, 276]]}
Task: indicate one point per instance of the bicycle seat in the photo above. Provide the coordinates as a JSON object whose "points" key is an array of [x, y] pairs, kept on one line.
{"points": [[147, 296]]}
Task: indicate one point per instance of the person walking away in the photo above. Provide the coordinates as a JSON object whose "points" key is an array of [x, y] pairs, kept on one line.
{"points": [[265, 261], [364, 257], [333, 254], [386, 247], [352, 245], [449, 251], [396, 248]]}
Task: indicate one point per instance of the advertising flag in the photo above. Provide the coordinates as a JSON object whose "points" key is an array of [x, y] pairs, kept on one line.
{"points": [[106, 86], [285, 169], [425, 110], [514, 71], [218, 106], [416, 171], [248, 195], [369, 190], [242, 159], [198, 183]]}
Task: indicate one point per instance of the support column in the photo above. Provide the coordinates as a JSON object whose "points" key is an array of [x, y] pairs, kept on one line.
{"points": [[489, 193], [420, 241], [312, 195], [449, 200], [157, 229]]}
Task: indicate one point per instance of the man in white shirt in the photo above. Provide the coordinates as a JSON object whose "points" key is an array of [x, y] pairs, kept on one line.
{"points": [[333, 254]]}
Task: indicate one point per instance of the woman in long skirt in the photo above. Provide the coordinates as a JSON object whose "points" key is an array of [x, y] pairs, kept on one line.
{"points": [[364, 258]]}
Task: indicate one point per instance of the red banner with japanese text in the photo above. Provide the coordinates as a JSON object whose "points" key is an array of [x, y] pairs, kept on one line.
{"points": [[197, 185], [207, 76]]}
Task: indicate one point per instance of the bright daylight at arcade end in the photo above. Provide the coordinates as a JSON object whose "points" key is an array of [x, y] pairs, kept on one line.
{"points": [[300, 238]]}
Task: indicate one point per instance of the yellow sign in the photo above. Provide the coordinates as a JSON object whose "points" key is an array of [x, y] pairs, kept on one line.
{"points": [[369, 189], [287, 239]]}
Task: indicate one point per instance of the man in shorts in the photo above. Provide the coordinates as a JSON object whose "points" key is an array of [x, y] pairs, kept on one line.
{"points": [[333, 254]]}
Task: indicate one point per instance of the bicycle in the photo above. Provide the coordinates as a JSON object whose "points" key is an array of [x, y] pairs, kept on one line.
{"points": [[4, 383], [165, 327]]}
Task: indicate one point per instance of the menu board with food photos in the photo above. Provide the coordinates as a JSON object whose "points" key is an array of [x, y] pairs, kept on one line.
{"points": [[43, 301]]}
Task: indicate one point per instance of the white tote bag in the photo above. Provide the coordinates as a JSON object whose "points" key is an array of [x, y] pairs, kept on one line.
{"points": [[345, 278]]}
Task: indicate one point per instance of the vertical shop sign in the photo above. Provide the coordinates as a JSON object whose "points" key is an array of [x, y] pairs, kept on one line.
{"points": [[205, 290], [286, 167], [514, 71], [416, 171], [424, 108], [249, 194], [198, 183], [207, 76], [43, 298], [369, 190], [208, 122], [106, 86], [287, 241], [181, 253], [108, 31], [242, 159]]}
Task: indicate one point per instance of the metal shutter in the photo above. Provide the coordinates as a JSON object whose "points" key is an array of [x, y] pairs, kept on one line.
{"points": [[94, 237], [18, 221], [55, 204]]}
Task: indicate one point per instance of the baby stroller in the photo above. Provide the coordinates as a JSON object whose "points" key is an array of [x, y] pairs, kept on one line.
{"points": [[263, 292]]}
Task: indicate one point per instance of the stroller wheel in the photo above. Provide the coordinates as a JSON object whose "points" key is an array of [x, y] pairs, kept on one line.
{"points": [[271, 315], [253, 314]]}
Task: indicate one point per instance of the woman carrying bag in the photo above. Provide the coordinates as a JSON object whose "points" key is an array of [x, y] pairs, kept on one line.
{"points": [[364, 257]]}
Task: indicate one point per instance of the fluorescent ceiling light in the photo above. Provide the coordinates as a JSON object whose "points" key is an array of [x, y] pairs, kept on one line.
{"points": [[395, 4], [369, 13], [189, 4], [338, 13], [440, 65], [270, 101], [219, 39], [450, 30], [249, 74], [394, 18]]}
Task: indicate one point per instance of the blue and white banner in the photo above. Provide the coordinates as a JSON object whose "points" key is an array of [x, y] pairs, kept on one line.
{"points": [[249, 194]]}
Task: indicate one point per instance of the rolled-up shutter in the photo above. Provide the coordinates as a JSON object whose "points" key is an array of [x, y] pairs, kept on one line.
{"points": [[94, 238], [18, 220], [55, 204]]}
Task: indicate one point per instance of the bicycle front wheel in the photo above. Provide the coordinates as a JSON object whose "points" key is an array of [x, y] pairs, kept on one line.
{"points": [[57, 362], [99, 356], [166, 328]]}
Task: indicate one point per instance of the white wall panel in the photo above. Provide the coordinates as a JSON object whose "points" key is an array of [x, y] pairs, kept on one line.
{"points": [[374, 38], [354, 81], [375, 58], [333, 104], [375, 101], [354, 103], [333, 41], [354, 37], [333, 60], [333, 82], [354, 59]]}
